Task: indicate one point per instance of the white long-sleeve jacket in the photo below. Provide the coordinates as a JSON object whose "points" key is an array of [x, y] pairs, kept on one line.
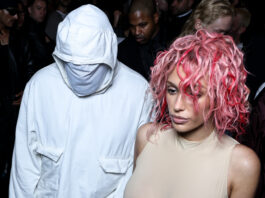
{"points": [[79, 147]]}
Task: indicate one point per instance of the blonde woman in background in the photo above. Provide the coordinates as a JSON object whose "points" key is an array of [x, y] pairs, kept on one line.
{"points": [[211, 15]]}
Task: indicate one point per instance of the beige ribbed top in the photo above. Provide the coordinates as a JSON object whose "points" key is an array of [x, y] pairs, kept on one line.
{"points": [[172, 167]]}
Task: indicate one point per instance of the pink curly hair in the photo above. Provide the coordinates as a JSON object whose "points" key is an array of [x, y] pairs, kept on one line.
{"points": [[215, 58]]}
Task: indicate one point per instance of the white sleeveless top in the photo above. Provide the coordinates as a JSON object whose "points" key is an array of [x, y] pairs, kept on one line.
{"points": [[172, 167]]}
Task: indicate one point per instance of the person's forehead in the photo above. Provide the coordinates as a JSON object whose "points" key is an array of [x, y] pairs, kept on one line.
{"points": [[139, 16], [177, 74], [222, 21], [40, 3], [221, 24]]}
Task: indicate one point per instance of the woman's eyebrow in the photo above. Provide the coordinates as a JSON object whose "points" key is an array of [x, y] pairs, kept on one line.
{"points": [[172, 84]]}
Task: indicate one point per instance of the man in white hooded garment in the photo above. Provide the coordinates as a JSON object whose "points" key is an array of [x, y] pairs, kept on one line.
{"points": [[79, 116]]}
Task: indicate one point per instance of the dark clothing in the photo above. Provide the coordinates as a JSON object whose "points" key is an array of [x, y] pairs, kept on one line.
{"points": [[254, 50], [8, 117], [52, 24], [16, 64], [255, 137], [140, 57], [174, 26], [41, 51]]}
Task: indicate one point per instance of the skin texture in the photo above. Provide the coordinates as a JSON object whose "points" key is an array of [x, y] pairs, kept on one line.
{"points": [[243, 173], [244, 167], [143, 26], [185, 120], [7, 20], [221, 25], [38, 11]]}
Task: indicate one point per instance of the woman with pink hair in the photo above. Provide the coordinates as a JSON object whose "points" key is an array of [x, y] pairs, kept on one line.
{"points": [[199, 91]]}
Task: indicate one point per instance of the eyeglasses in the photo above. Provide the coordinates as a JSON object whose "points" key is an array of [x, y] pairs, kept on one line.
{"points": [[12, 11]]}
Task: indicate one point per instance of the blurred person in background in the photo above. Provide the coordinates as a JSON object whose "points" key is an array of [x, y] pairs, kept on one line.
{"points": [[145, 40], [179, 12], [211, 15], [16, 63], [21, 15], [55, 18], [35, 29], [240, 23]]}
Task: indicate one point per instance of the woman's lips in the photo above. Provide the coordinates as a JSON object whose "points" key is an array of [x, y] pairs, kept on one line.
{"points": [[179, 120]]}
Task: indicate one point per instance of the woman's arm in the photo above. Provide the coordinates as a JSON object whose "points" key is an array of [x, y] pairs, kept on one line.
{"points": [[141, 141], [244, 172]]}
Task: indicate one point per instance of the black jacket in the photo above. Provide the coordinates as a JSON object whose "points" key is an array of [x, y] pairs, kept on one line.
{"points": [[41, 50], [17, 64], [140, 57]]}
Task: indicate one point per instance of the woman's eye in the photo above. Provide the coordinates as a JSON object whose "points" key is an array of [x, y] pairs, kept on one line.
{"points": [[199, 95], [171, 91]]}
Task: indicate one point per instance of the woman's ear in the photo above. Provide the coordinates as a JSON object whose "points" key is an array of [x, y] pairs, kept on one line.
{"points": [[198, 24]]}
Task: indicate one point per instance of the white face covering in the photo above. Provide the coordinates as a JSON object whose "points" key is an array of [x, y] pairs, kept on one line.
{"points": [[85, 79]]}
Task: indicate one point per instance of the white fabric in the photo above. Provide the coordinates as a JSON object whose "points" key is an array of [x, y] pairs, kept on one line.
{"points": [[85, 36], [86, 79], [78, 147]]}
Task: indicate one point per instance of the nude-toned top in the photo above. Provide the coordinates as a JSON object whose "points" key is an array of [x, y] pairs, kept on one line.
{"points": [[172, 167]]}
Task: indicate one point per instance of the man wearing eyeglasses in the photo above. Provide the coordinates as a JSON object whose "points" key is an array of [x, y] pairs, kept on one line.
{"points": [[15, 64], [8, 16]]}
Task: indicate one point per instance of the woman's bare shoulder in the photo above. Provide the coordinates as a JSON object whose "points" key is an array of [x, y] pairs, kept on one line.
{"points": [[147, 132], [142, 135], [244, 171], [245, 158]]}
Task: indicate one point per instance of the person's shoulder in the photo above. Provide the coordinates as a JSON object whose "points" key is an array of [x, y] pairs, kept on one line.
{"points": [[245, 159], [43, 80], [130, 75], [54, 17], [143, 130], [150, 131], [142, 138], [54, 13], [244, 171], [46, 74]]}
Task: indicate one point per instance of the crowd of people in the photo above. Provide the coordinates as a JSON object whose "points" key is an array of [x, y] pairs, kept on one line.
{"points": [[132, 98]]}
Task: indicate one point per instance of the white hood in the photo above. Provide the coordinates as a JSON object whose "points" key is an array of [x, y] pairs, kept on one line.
{"points": [[86, 36]]}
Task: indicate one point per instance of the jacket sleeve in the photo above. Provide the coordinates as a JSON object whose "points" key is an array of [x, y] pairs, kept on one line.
{"points": [[146, 114], [26, 163], [144, 118]]}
